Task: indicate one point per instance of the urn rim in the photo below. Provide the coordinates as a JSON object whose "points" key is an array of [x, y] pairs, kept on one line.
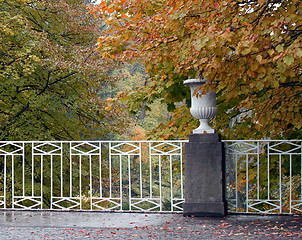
{"points": [[194, 80]]}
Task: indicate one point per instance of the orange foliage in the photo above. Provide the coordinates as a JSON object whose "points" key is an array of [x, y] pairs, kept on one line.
{"points": [[254, 49]]}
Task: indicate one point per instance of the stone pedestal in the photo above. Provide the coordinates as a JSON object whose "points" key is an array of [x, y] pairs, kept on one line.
{"points": [[204, 176]]}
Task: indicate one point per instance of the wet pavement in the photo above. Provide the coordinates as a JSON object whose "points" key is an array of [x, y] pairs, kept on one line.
{"points": [[106, 225]]}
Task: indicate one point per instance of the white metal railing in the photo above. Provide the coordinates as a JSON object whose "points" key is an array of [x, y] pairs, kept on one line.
{"points": [[264, 176], [92, 175]]}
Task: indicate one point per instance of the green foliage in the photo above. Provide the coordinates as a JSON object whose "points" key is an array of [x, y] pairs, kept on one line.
{"points": [[50, 74], [131, 89]]}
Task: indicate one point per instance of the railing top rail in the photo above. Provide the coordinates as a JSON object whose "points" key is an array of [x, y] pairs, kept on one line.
{"points": [[155, 141], [97, 141], [264, 140]]}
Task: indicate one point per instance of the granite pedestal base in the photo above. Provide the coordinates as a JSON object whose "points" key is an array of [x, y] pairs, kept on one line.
{"points": [[204, 176]]}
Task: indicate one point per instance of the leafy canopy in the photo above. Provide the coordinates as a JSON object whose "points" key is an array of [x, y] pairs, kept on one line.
{"points": [[252, 47], [49, 74]]}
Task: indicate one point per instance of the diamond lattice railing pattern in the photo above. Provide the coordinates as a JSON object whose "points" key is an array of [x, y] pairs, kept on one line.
{"points": [[262, 176], [92, 175]]}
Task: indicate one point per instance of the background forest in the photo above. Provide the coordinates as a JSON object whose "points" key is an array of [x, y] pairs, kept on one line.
{"points": [[117, 72]]}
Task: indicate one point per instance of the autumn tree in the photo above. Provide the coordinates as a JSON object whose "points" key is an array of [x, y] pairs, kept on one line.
{"points": [[249, 51], [130, 78], [50, 76]]}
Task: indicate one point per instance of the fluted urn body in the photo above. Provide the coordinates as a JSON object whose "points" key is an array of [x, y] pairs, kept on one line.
{"points": [[203, 108]]}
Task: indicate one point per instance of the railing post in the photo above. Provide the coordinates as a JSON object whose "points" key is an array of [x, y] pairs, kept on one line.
{"points": [[204, 162]]}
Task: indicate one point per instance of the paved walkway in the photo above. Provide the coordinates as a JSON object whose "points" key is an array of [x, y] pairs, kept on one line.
{"points": [[100, 225]]}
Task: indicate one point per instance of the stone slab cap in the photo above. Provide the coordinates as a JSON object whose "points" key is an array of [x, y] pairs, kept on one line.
{"points": [[209, 138]]}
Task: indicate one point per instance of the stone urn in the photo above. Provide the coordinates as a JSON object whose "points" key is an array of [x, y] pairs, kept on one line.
{"points": [[203, 108]]}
